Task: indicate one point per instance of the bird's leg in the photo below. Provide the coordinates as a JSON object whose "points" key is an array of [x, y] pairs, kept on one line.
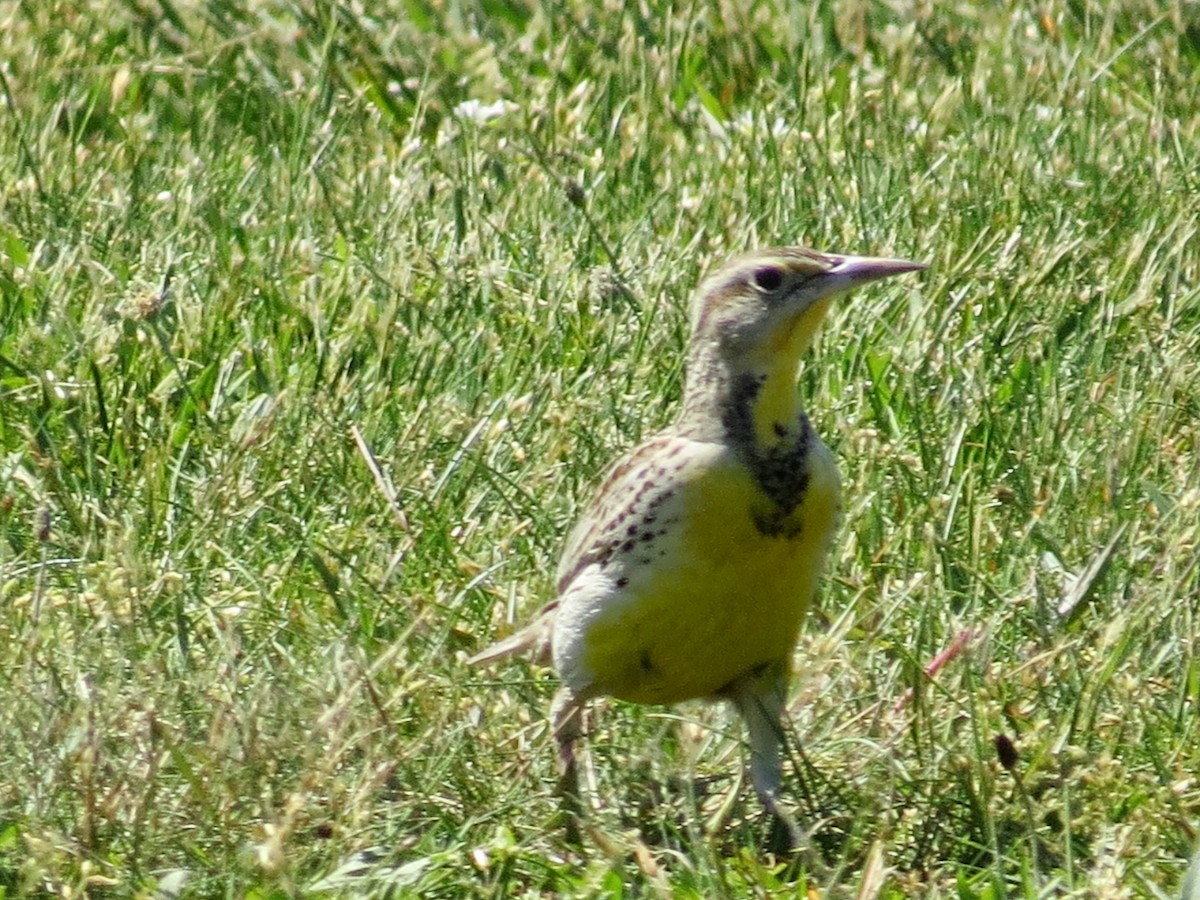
{"points": [[760, 698], [566, 716]]}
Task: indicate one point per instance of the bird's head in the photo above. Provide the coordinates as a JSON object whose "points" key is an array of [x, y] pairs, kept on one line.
{"points": [[763, 309], [752, 321]]}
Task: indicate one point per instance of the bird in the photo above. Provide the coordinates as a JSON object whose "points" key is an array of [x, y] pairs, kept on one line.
{"points": [[689, 574]]}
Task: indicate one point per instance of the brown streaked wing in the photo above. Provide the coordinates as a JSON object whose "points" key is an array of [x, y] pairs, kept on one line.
{"points": [[632, 485]]}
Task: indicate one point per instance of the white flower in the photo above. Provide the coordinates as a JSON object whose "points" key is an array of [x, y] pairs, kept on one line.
{"points": [[479, 113]]}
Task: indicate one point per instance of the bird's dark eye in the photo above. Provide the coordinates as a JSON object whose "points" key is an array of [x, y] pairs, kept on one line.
{"points": [[768, 278]]}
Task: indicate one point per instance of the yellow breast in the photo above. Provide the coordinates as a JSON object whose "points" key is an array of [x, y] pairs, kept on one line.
{"points": [[720, 597]]}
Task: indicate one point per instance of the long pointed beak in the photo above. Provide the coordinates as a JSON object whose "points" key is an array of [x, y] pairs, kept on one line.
{"points": [[851, 271]]}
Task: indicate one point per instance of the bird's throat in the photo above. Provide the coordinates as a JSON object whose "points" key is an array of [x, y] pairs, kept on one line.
{"points": [[774, 410], [765, 426], [754, 409], [775, 407]]}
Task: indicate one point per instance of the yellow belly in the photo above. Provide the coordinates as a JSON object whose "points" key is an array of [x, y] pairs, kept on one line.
{"points": [[723, 599]]}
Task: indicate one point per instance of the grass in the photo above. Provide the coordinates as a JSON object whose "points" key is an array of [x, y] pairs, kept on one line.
{"points": [[319, 323]]}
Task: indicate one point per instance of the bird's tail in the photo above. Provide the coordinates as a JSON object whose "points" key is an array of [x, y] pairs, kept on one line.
{"points": [[533, 639]]}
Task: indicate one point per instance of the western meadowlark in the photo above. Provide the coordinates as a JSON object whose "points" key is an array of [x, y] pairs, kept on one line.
{"points": [[689, 573]]}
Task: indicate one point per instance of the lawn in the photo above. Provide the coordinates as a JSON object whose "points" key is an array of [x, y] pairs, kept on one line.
{"points": [[320, 322]]}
